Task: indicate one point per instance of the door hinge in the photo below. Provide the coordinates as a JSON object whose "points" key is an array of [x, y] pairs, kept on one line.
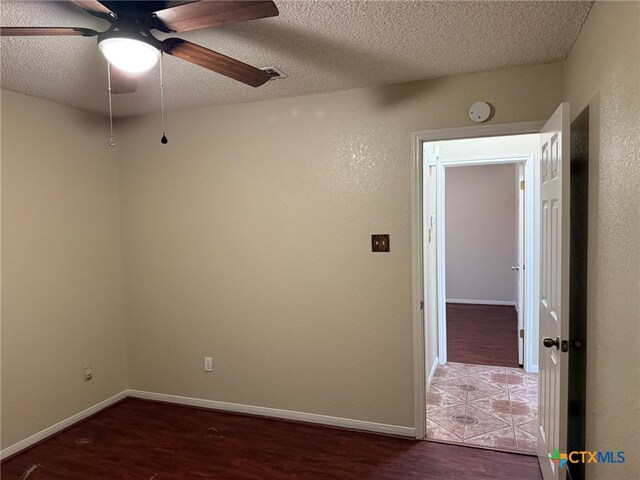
{"points": [[521, 184], [432, 225], [576, 344], [421, 305], [522, 333], [432, 156]]}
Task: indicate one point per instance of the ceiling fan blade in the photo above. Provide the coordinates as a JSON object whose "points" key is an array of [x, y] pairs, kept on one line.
{"points": [[215, 61], [122, 82], [46, 31], [93, 6], [204, 14], [175, 3]]}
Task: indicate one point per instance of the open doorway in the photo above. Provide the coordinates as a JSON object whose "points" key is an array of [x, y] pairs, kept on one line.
{"points": [[548, 276], [483, 292], [480, 231]]}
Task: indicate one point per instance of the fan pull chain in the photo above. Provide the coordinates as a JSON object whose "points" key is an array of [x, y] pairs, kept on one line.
{"points": [[112, 142], [163, 140]]}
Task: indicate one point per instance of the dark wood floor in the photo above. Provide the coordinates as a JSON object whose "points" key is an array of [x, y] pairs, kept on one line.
{"points": [[482, 334], [138, 439]]}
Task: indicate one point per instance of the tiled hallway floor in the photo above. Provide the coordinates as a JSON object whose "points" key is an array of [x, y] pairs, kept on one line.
{"points": [[492, 407]]}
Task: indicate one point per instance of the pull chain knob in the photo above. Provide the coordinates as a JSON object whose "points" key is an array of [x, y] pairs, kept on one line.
{"points": [[164, 139]]}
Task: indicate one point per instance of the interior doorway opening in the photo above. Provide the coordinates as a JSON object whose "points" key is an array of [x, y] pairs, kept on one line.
{"points": [[480, 231], [483, 290], [548, 172]]}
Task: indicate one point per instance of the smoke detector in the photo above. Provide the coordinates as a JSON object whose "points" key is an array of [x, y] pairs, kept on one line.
{"points": [[480, 112]]}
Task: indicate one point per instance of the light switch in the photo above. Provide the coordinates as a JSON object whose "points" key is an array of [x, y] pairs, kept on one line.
{"points": [[380, 242]]}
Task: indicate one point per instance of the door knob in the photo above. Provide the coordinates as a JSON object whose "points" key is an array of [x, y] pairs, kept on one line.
{"points": [[515, 269], [551, 342]]}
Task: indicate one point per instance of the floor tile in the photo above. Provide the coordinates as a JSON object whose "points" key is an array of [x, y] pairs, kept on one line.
{"points": [[444, 372], [461, 367], [518, 380], [479, 422], [475, 369], [476, 388], [496, 378], [436, 432], [529, 394], [437, 399], [449, 418], [498, 405], [522, 410], [523, 373], [493, 407], [530, 427], [454, 386], [525, 441]]}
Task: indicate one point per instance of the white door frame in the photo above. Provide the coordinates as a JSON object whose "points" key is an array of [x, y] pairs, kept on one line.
{"points": [[521, 259], [530, 273], [417, 242]]}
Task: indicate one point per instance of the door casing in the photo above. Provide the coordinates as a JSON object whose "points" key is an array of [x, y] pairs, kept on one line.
{"points": [[417, 241], [531, 278], [524, 208]]}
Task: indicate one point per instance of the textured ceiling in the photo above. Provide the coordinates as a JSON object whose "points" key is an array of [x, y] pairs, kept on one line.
{"points": [[323, 46]]}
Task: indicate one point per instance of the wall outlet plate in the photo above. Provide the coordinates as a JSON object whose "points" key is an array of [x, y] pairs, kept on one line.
{"points": [[88, 374], [380, 242], [208, 364]]}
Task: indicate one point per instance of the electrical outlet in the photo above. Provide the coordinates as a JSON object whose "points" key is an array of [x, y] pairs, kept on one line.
{"points": [[88, 374], [208, 364]]}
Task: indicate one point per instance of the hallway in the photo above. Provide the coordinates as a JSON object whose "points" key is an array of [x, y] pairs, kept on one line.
{"points": [[481, 396], [482, 334]]}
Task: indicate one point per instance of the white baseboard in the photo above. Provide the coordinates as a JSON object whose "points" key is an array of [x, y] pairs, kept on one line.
{"points": [[532, 369], [47, 432], [277, 413], [432, 372], [481, 302]]}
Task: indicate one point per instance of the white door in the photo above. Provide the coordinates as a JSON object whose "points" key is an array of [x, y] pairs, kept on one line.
{"points": [[554, 291], [520, 265]]}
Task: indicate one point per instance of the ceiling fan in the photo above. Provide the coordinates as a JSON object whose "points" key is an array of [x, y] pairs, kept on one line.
{"points": [[131, 48]]}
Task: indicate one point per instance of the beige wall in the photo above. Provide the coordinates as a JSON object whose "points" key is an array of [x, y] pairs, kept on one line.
{"points": [[62, 302], [481, 232], [247, 238], [603, 72]]}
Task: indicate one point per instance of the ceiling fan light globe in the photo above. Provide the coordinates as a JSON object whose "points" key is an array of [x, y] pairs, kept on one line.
{"points": [[129, 55]]}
